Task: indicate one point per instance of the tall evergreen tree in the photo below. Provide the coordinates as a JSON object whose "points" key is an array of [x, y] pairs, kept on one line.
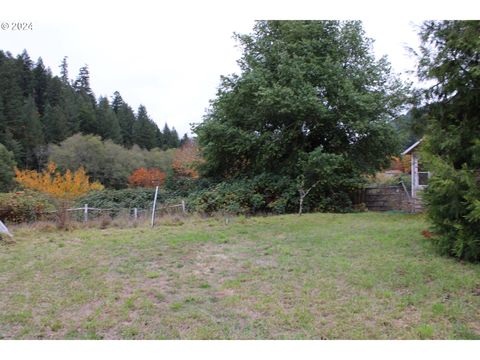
{"points": [[108, 122], [126, 121], [117, 102], [185, 139], [174, 140], [144, 130], [25, 67], [450, 56], [159, 139], [70, 104], [82, 85], [166, 137], [30, 134], [7, 173], [87, 119], [10, 92], [40, 85], [6, 136], [55, 124], [64, 71]]}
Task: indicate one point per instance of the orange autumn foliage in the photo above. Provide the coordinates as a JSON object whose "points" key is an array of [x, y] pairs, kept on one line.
{"points": [[186, 159], [147, 178], [64, 187], [396, 164], [406, 161]]}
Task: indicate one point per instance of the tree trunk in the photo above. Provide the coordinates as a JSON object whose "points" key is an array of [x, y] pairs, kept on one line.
{"points": [[62, 215], [300, 207]]}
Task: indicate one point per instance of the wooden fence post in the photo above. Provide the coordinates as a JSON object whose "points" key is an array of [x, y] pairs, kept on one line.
{"points": [[85, 213]]}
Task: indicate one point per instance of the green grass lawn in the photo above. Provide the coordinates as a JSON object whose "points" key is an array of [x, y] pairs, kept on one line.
{"points": [[319, 276]]}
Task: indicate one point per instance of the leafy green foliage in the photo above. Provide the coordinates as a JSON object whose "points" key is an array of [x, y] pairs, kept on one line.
{"points": [[266, 193], [304, 85], [452, 147], [105, 161]]}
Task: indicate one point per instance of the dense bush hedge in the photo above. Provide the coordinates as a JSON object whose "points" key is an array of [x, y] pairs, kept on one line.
{"points": [[266, 194], [262, 194], [125, 198], [24, 206]]}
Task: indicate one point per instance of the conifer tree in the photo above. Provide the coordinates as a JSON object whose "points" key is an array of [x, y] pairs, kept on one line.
{"points": [[117, 102], [126, 121], [86, 118], [174, 140], [64, 71], [144, 130], [40, 85], [82, 85], [55, 125], [107, 122], [25, 67], [185, 139], [30, 134], [7, 172], [450, 57]]}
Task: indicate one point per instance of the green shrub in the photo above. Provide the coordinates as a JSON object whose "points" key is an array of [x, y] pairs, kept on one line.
{"points": [[262, 194], [126, 198], [24, 206], [453, 205], [266, 194]]}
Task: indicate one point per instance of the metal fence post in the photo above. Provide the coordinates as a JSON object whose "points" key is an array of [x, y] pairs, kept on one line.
{"points": [[154, 205], [183, 207], [135, 214]]}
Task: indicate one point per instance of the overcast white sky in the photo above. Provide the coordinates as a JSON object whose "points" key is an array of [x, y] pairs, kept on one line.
{"points": [[169, 55]]}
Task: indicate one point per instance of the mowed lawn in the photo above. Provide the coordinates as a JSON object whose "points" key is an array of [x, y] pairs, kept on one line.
{"points": [[318, 276]]}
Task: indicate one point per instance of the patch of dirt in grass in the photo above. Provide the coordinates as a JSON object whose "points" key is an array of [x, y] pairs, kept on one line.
{"points": [[410, 316], [224, 293]]}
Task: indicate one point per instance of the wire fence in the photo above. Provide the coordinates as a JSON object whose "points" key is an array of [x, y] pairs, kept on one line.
{"points": [[87, 213]]}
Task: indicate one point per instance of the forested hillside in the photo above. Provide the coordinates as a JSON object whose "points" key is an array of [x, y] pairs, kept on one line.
{"points": [[38, 108]]}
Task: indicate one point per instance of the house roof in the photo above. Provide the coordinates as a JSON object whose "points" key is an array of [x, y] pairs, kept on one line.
{"points": [[409, 150]]}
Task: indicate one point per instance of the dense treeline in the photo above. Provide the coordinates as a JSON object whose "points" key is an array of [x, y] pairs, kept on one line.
{"points": [[104, 161], [38, 108]]}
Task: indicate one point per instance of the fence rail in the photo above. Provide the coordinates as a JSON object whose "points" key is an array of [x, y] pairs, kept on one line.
{"points": [[86, 213], [131, 211]]}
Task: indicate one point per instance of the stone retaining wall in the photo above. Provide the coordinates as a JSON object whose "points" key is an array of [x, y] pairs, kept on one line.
{"points": [[385, 198]]}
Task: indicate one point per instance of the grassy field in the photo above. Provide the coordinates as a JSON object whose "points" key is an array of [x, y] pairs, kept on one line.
{"points": [[319, 276]]}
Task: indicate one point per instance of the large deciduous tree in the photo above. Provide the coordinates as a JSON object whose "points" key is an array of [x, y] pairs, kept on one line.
{"points": [[304, 85], [450, 57]]}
